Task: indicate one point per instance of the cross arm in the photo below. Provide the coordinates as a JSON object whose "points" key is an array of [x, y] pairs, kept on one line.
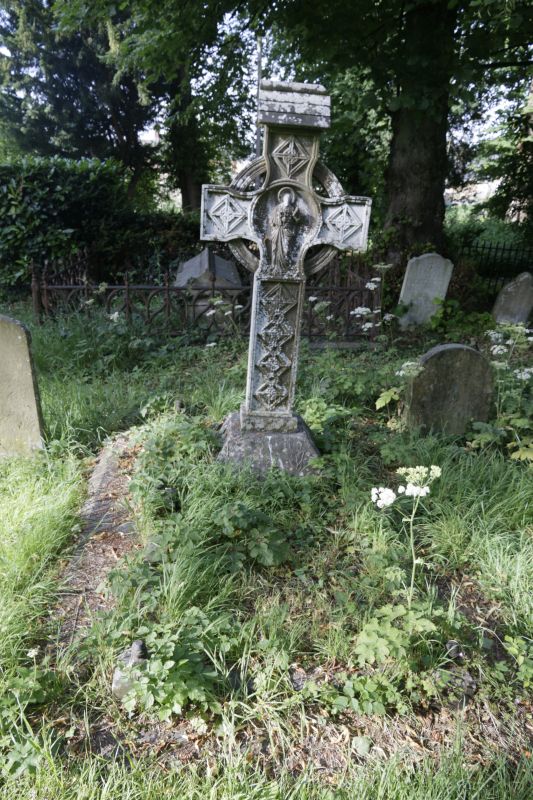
{"points": [[225, 214], [345, 222]]}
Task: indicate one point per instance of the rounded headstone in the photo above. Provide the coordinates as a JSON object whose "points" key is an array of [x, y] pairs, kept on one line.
{"points": [[514, 303], [426, 280], [452, 390]]}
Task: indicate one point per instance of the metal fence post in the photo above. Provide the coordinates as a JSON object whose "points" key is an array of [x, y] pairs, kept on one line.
{"points": [[36, 294]]}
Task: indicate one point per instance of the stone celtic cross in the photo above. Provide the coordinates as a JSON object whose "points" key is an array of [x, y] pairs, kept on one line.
{"points": [[282, 220]]}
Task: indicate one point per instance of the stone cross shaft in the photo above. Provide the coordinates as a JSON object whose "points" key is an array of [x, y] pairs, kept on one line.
{"points": [[284, 218]]}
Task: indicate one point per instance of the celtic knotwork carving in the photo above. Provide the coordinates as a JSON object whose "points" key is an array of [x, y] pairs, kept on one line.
{"points": [[275, 333]]}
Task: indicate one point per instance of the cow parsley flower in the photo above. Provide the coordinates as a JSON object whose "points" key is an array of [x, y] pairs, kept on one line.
{"points": [[409, 369], [382, 496], [418, 480], [523, 374], [313, 299], [494, 336], [389, 317], [211, 344], [329, 317], [366, 326], [371, 286], [210, 312], [498, 350], [360, 311]]}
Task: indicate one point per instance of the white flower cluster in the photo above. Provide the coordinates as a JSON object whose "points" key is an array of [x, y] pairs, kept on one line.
{"points": [[418, 480], [495, 336], [389, 317], [420, 476], [498, 349], [313, 299], [360, 311], [115, 316], [412, 490], [210, 312], [373, 284], [524, 374], [211, 344], [366, 326], [408, 369], [383, 497], [329, 317]]}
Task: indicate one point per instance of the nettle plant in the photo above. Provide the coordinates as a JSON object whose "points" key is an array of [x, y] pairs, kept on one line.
{"points": [[394, 394], [510, 348]]}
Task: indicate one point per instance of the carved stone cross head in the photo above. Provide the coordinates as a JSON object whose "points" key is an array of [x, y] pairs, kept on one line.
{"points": [[283, 219]]}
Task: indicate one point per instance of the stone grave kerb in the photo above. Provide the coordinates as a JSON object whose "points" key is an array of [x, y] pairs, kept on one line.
{"points": [[283, 219]]}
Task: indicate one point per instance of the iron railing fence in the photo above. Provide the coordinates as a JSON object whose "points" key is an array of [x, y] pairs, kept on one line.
{"points": [[496, 262], [332, 298]]}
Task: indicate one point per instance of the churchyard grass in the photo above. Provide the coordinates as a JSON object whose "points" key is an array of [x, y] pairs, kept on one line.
{"points": [[284, 598]]}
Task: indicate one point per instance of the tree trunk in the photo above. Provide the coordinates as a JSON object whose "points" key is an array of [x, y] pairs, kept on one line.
{"points": [[191, 190], [417, 166]]}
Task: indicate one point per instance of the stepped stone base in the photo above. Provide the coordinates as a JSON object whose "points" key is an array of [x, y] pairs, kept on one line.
{"points": [[262, 450]]}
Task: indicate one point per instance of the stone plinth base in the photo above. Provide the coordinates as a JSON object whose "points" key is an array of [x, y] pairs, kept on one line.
{"points": [[262, 450]]}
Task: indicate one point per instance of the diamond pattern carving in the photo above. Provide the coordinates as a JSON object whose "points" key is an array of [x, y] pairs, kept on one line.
{"points": [[290, 156], [227, 215], [343, 223]]}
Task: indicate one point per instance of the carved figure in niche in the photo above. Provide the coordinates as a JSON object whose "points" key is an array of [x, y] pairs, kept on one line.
{"points": [[284, 220]]}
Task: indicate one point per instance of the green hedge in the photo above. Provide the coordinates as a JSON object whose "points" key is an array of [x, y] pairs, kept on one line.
{"points": [[55, 209]]}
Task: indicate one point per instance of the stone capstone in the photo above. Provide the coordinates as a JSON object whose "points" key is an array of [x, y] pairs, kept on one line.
{"points": [[453, 389], [514, 303], [300, 104], [289, 451], [21, 427], [426, 280]]}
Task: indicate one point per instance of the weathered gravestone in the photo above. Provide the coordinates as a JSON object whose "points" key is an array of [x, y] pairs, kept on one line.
{"points": [[206, 269], [426, 279], [514, 303], [283, 219], [452, 389], [20, 409]]}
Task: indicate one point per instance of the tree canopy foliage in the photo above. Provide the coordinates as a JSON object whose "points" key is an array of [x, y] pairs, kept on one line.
{"points": [[84, 78]]}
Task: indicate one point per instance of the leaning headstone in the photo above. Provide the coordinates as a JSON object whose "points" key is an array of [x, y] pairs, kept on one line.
{"points": [[514, 303], [201, 271], [20, 409], [426, 280], [452, 389]]}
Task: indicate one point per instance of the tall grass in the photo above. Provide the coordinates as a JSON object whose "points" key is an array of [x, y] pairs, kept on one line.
{"points": [[39, 500], [137, 780]]}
